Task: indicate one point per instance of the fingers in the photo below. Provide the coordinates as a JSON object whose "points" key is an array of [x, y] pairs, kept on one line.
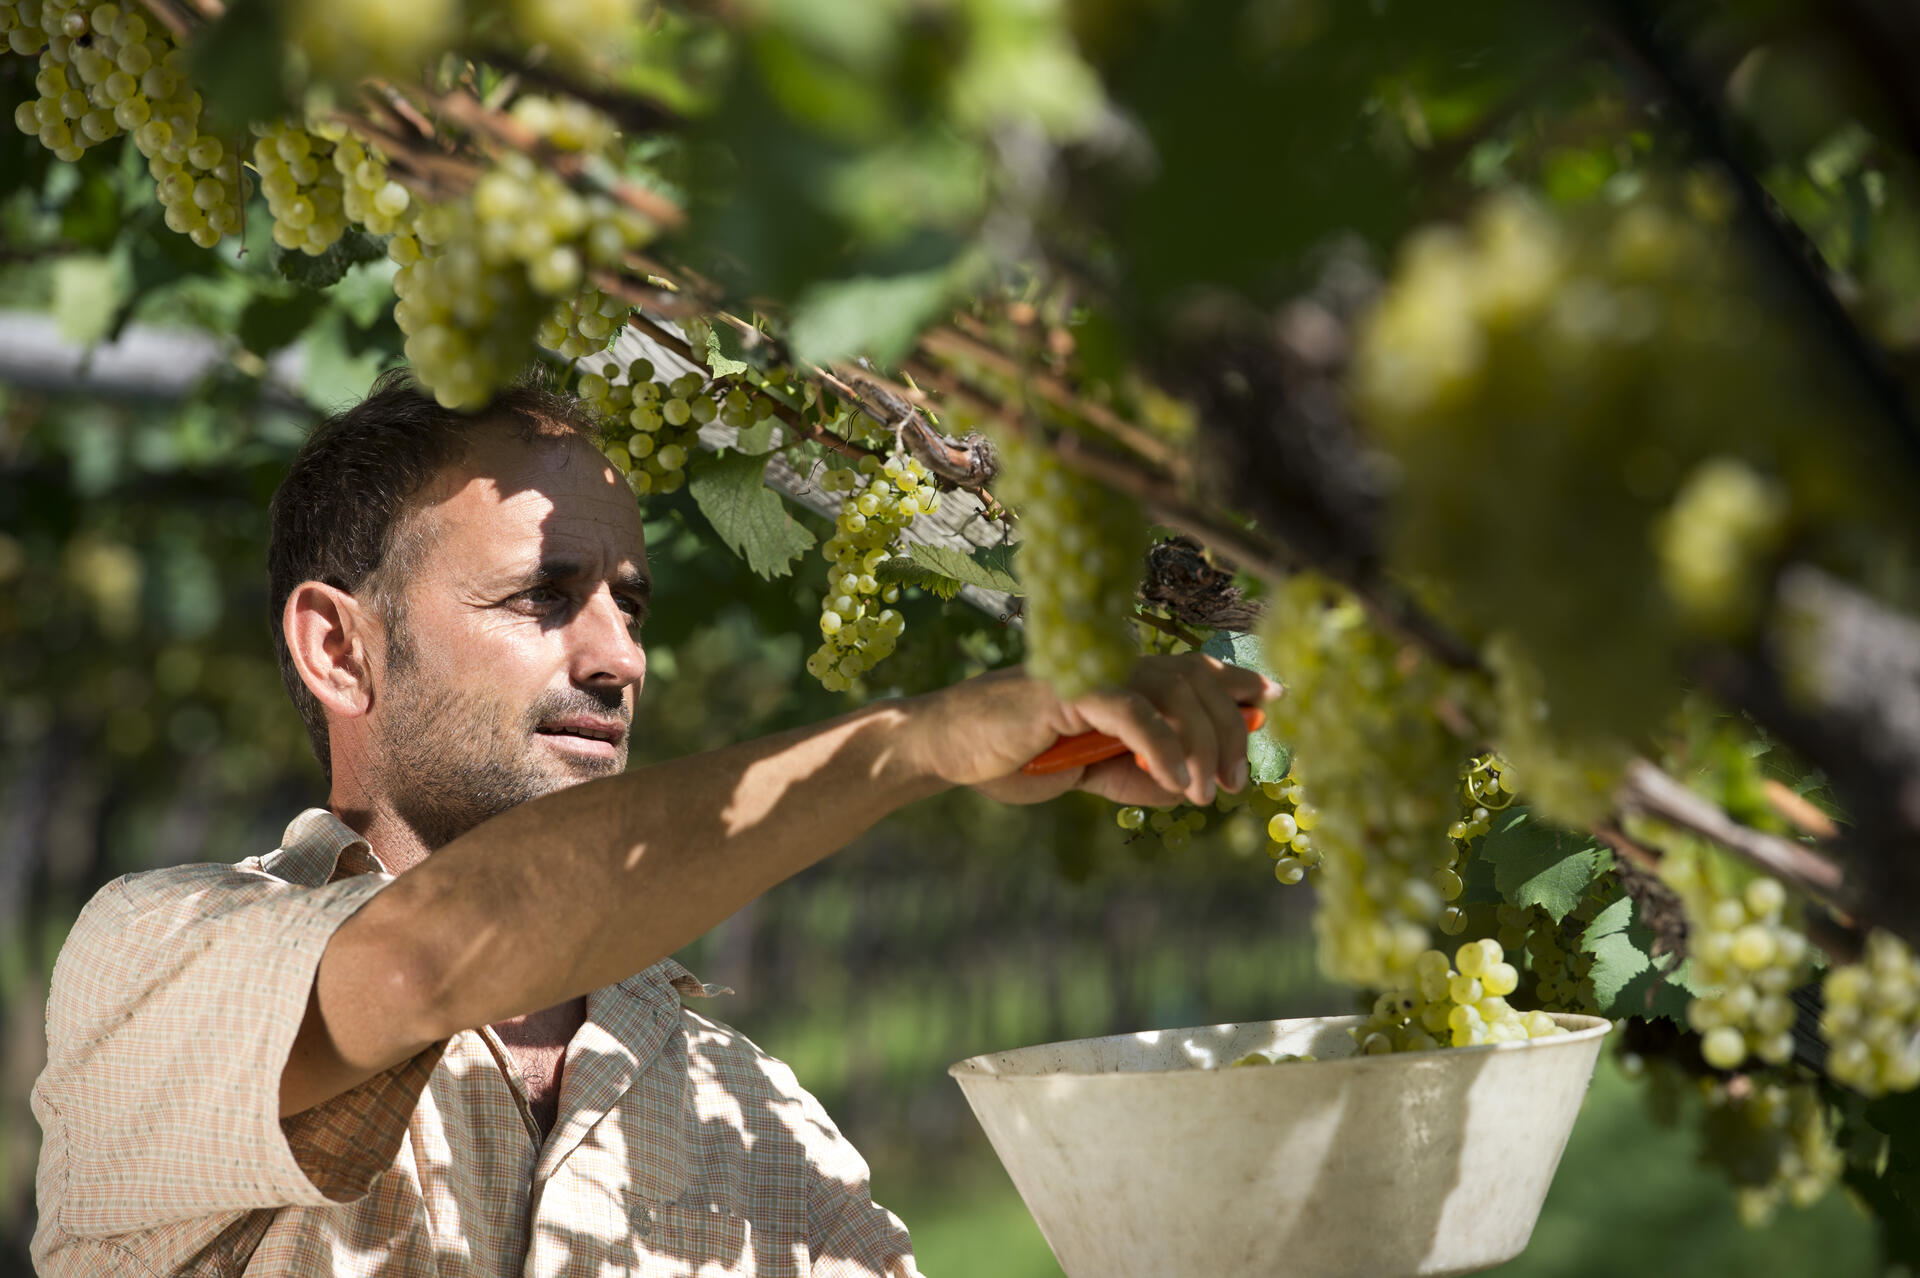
{"points": [[1206, 742], [1203, 697], [1139, 724]]}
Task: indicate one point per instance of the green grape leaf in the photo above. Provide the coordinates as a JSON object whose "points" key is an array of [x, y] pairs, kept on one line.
{"points": [[88, 290], [986, 568], [271, 322], [1539, 864], [236, 64], [724, 347], [731, 492], [324, 270], [869, 315], [1268, 757], [901, 570], [757, 438], [1628, 980]]}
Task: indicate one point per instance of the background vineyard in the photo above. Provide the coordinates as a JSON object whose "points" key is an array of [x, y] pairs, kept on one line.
{"points": [[1530, 386]]}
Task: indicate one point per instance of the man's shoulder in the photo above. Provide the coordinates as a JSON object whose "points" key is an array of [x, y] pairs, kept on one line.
{"points": [[161, 900]]}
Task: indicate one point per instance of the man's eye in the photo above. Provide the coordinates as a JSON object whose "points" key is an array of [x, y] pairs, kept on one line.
{"points": [[541, 597]]}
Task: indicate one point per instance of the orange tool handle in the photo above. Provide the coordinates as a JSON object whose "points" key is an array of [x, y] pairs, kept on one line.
{"points": [[1091, 747]]}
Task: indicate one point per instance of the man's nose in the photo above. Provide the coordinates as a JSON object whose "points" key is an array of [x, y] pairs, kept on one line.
{"points": [[605, 650]]}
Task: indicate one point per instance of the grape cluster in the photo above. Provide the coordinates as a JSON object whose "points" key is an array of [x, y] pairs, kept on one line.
{"points": [[478, 276], [318, 180], [1872, 1019], [1486, 786], [1773, 1140], [1571, 777], [1458, 1004], [1080, 559], [1562, 969], [1715, 543], [1743, 946], [1383, 769], [857, 629], [583, 324], [348, 40], [1539, 361], [653, 426], [105, 71], [1288, 821], [1175, 826]]}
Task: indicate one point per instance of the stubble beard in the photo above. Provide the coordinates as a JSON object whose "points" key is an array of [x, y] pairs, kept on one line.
{"points": [[451, 758]]}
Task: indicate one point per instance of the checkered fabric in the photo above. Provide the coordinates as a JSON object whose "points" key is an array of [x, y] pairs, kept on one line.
{"points": [[681, 1148]]}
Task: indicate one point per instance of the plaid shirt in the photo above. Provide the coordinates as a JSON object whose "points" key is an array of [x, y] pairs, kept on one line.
{"points": [[681, 1148]]}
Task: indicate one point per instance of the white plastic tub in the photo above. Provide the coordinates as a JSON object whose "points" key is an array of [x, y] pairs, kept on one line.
{"points": [[1136, 1164]]}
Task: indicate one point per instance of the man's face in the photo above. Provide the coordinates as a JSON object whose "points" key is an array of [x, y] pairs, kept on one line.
{"points": [[517, 661]]}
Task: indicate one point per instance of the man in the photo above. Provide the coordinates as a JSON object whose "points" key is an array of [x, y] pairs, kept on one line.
{"points": [[436, 1031]]}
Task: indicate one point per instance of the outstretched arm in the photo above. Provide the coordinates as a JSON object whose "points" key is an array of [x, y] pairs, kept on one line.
{"points": [[584, 887]]}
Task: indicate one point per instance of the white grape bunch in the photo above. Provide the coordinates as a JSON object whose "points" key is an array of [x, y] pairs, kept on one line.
{"points": [[1747, 949], [1871, 1019], [1486, 787], [858, 625], [1453, 1004], [1539, 361], [651, 427], [318, 179], [106, 71], [1382, 768], [1773, 1139], [1174, 826], [480, 276], [1080, 560]]}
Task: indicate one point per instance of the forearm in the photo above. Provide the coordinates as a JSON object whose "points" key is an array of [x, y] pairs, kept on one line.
{"points": [[584, 887]]}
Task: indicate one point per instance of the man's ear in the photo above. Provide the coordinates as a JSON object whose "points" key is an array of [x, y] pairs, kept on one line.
{"points": [[329, 635]]}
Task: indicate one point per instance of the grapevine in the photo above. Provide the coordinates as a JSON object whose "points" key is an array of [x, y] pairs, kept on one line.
{"points": [[1872, 1019], [858, 626], [1355, 714], [1080, 560]]}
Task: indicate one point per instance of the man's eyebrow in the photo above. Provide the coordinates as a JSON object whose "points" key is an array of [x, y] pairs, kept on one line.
{"points": [[630, 581]]}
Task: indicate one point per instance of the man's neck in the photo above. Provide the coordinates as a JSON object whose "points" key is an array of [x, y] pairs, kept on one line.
{"points": [[396, 844]]}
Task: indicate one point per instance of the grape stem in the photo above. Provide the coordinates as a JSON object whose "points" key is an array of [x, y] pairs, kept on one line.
{"points": [[1648, 790], [500, 127], [633, 113], [965, 340]]}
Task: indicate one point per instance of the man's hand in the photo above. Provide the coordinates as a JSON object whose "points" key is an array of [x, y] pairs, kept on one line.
{"points": [[1180, 715]]}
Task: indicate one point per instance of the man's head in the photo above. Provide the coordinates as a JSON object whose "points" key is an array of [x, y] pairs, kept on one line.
{"points": [[456, 601]]}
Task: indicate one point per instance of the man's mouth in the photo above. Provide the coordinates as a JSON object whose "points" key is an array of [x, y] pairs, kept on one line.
{"points": [[594, 738]]}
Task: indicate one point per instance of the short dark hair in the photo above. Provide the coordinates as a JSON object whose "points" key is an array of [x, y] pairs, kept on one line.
{"points": [[336, 516]]}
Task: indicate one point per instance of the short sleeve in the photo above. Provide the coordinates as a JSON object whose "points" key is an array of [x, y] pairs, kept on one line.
{"points": [[173, 1007], [849, 1235]]}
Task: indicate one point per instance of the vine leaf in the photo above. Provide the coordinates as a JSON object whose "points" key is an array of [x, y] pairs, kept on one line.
{"points": [[876, 316], [1268, 758], [725, 350], [1539, 864], [325, 269], [986, 568], [901, 570], [1627, 979], [942, 570], [731, 492]]}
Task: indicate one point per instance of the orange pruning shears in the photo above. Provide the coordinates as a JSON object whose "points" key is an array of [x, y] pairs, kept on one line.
{"points": [[1091, 747]]}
